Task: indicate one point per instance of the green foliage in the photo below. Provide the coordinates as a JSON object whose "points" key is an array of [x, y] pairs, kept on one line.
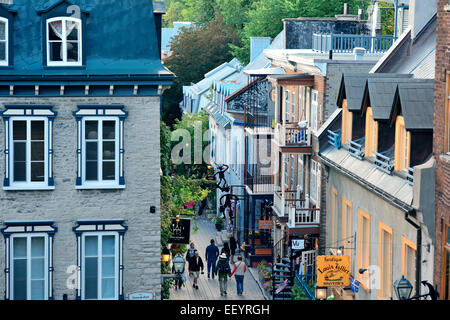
{"points": [[178, 248], [195, 52], [297, 292], [387, 18]]}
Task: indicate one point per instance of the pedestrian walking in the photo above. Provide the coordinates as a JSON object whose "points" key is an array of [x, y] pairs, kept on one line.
{"points": [[239, 270], [226, 250], [195, 265], [211, 255], [233, 247], [223, 270], [190, 253]]}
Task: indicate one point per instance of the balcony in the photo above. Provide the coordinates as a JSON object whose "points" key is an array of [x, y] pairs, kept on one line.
{"points": [[258, 179], [304, 217], [293, 139], [356, 148], [345, 43], [283, 202]]}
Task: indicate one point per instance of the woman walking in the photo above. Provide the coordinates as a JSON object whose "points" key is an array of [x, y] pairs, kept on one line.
{"points": [[224, 271], [239, 270]]}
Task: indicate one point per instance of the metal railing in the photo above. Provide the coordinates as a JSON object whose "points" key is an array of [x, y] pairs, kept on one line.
{"points": [[307, 282], [383, 161], [304, 216], [345, 43], [334, 138], [356, 148], [410, 175], [258, 179]]}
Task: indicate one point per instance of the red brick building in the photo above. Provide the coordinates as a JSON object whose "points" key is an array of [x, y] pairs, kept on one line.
{"points": [[441, 150]]}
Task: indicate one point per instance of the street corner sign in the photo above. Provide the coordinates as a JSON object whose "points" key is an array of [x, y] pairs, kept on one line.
{"points": [[265, 224], [333, 271], [141, 295]]}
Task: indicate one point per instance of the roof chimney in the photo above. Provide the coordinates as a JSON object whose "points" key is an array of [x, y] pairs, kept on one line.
{"points": [[359, 53], [345, 8]]}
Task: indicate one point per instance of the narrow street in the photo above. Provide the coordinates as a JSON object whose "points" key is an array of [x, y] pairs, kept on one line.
{"points": [[209, 288]]}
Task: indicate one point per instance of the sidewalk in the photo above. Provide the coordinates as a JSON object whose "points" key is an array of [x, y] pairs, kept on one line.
{"points": [[209, 288]]}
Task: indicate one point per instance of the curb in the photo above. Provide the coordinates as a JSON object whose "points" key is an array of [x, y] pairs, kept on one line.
{"points": [[256, 278]]}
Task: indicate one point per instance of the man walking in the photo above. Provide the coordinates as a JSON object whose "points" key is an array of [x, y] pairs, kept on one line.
{"points": [[195, 265], [212, 252], [239, 270], [190, 254], [224, 271]]}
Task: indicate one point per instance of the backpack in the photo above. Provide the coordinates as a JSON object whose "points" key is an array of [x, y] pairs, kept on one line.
{"points": [[224, 267]]}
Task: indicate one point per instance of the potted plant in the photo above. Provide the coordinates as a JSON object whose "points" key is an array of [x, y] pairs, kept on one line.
{"points": [[219, 224]]}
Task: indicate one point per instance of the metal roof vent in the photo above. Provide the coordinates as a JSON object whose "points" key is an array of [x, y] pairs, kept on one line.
{"points": [[359, 53]]}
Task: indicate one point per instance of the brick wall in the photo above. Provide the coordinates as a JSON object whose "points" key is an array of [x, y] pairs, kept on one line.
{"points": [[442, 162], [65, 205]]}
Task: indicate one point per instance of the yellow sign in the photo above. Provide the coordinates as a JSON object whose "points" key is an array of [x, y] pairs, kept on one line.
{"points": [[333, 271]]}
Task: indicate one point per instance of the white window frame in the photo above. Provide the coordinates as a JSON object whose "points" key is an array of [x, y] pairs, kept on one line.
{"points": [[6, 42], [46, 259], [99, 235], [314, 177], [314, 109], [29, 184], [300, 172], [287, 105], [100, 183], [64, 61]]}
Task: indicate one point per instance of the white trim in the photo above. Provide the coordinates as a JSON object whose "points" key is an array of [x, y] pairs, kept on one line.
{"points": [[28, 258], [99, 236], [28, 184], [64, 61], [100, 183], [6, 41]]}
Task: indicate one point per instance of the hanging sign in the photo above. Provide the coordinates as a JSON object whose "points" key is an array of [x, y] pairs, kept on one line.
{"points": [[265, 224], [298, 244], [333, 271], [181, 231]]}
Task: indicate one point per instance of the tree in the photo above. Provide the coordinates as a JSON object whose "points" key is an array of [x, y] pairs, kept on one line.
{"points": [[196, 51]]}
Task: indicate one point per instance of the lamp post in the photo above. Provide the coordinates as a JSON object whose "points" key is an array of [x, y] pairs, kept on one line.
{"points": [[403, 289], [321, 293], [165, 255], [178, 264]]}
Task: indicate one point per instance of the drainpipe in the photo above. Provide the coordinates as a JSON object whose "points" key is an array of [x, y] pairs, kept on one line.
{"points": [[419, 249]]}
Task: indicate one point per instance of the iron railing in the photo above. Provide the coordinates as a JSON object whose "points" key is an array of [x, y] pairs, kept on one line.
{"points": [[345, 43], [356, 148], [258, 179], [307, 282], [384, 161], [334, 138]]}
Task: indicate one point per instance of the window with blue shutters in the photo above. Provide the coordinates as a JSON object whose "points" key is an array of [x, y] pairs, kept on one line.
{"points": [[28, 147], [100, 147]]}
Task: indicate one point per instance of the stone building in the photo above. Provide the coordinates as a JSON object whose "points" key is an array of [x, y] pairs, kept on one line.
{"points": [[80, 94], [441, 150]]}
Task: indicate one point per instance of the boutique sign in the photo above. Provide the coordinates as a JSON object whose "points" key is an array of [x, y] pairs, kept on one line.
{"points": [[333, 271]]}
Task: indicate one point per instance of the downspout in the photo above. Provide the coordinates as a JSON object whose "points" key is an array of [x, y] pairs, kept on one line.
{"points": [[419, 249]]}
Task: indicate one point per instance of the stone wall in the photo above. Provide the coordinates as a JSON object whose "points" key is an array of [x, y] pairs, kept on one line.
{"points": [[65, 205]]}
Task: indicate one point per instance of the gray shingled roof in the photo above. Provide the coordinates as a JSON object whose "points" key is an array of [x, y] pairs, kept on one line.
{"points": [[355, 86], [416, 100], [381, 92]]}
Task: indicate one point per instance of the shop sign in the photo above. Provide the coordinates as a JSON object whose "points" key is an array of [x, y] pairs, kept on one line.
{"points": [[298, 244], [265, 224], [333, 271], [181, 231]]}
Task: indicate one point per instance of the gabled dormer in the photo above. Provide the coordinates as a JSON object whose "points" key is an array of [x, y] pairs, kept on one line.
{"points": [[7, 14], [63, 26], [412, 117]]}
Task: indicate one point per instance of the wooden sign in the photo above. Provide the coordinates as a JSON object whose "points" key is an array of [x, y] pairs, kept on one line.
{"points": [[265, 224], [333, 271]]}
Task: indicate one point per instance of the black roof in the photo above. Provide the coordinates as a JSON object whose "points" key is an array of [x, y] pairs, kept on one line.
{"points": [[380, 91], [354, 85], [416, 102]]}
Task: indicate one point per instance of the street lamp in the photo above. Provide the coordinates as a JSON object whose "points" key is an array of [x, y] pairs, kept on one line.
{"points": [[403, 288], [178, 264], [166, 255], [321, 293]]}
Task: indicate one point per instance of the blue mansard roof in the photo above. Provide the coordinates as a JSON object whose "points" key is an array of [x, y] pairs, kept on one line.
{"points": [[120, 42]]}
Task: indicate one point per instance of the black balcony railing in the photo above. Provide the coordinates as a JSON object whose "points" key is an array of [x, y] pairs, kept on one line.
{"points": [[258, 179], [384, 160]]}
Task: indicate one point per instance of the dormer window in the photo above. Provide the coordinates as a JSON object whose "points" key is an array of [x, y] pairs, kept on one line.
{"points": [[402, 145], [3, 41], [371, 134], [64, 42]]}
